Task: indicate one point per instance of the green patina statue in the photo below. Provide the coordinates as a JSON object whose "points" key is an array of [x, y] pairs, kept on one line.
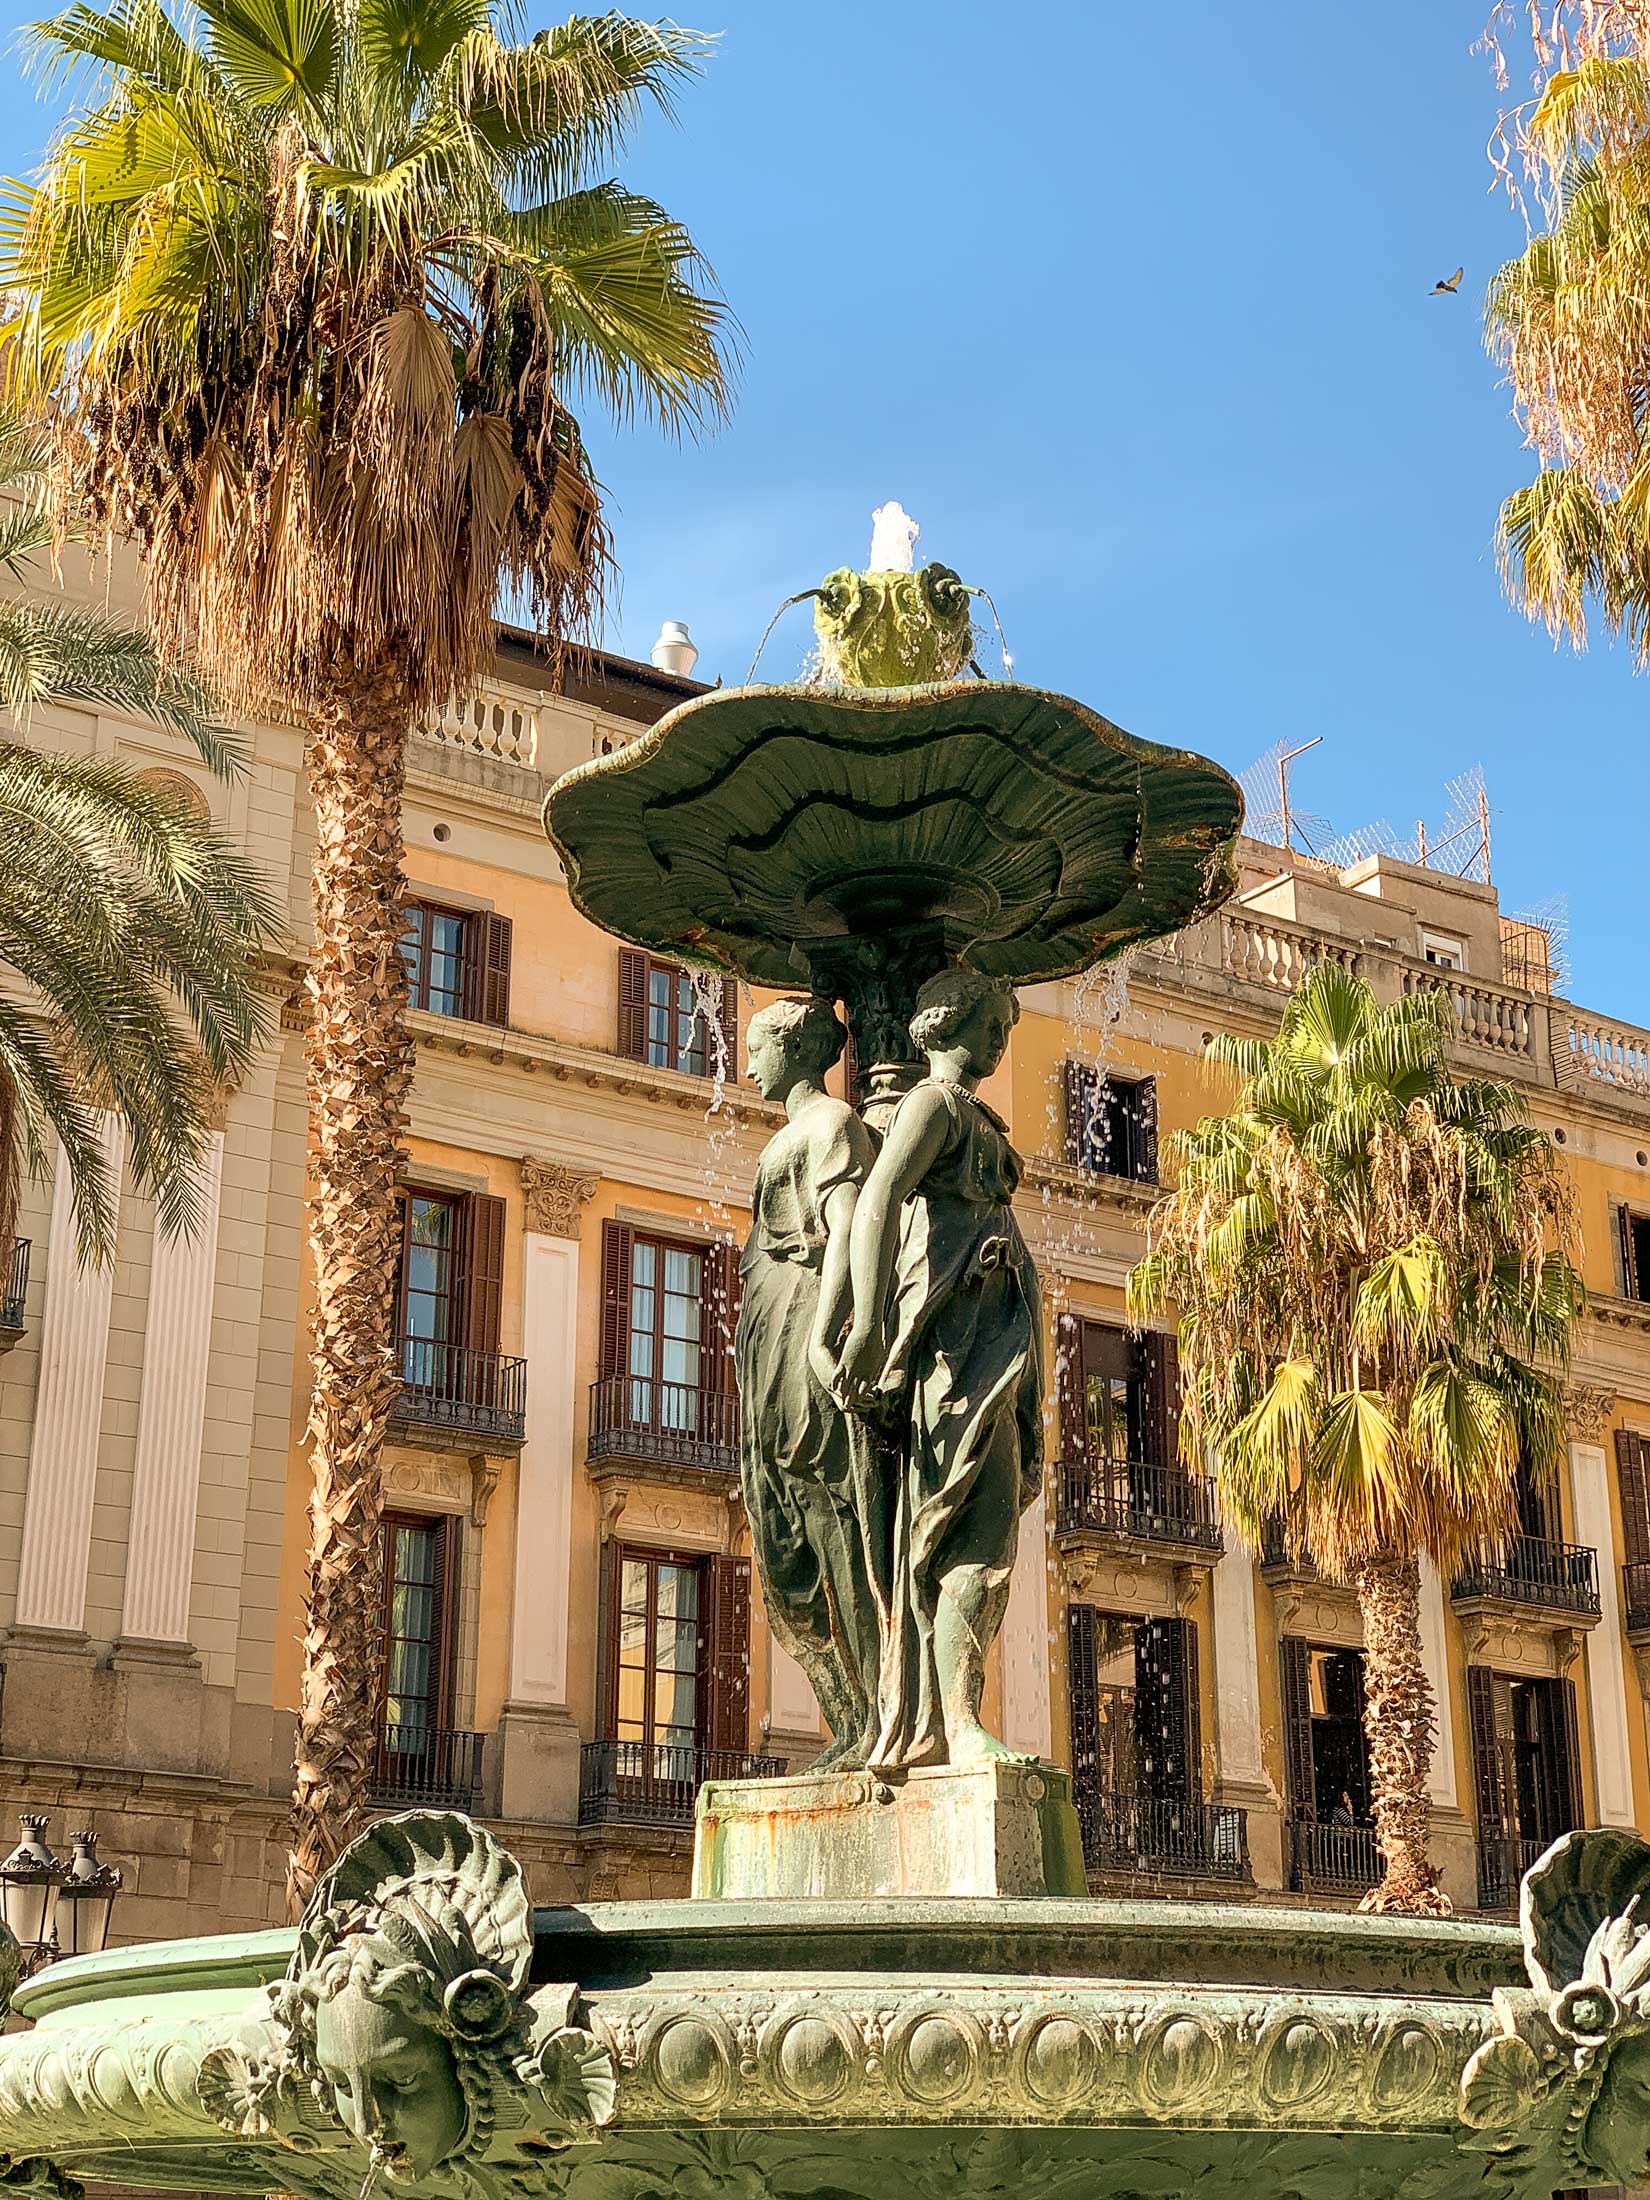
{"points": [[814, 1486]]}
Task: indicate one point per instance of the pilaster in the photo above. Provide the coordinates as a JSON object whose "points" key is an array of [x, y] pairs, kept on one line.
{"points": [[171, 1416], [1606, 1667], [1027, 1718], [68, 1414]]}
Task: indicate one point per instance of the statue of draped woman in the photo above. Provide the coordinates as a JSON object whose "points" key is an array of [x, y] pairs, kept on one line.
{"points": [[943, 1359]]}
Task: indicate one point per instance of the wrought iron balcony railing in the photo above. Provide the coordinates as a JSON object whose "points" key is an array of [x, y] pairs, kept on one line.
{"points": [[1503, 1859], [447, 1386], [1529, 1570], [1635, 1596], [16, 1288], [1158, 1834], [428, 1764], [656, 1783], [1133, 1498], [677, 1424], [1331, 1859]]}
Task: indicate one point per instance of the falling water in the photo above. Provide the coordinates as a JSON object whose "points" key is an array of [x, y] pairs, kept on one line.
{"points": [[1002, 638], [721, 1127], [802, 595]]}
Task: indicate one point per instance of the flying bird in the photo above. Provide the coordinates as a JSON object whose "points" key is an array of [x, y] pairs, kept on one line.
{"points": [[1449, 286]]}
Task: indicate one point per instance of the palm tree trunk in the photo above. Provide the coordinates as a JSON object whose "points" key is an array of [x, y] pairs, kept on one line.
{"points": [[360, 1068], [1398, 1719]]}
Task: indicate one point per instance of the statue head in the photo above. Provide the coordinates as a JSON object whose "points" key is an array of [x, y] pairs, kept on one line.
{"points": [[791, 1040], [963, 1010]]}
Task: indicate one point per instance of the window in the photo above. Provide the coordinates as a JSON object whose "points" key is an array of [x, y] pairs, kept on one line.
{"points": [[666, 1314], [677, 1683], [430, 1233], [1633, 1484], [1111, 1123], [451, 1304], [662, 1018], [1326, 1763], [416, 1595], [1444, 954], [458, 962], [669, 1310], [1633, 1253], [1526, 1773]]}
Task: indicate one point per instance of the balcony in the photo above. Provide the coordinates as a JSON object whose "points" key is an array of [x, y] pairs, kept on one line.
{"points": [[653, 1784], [1503, 1859], [1531, 1574], [685, 1432], [1164, 1836], [432, 1765], [471, 1398], [14, 1294], [1635, 1599], [1134, 1502], [1332, 1859]]}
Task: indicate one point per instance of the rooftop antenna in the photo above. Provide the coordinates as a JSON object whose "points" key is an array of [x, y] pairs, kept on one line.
{"points": [[1285, 759]]}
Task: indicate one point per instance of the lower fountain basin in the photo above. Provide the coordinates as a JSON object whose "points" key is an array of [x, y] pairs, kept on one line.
{"points": [[826, 2048]]}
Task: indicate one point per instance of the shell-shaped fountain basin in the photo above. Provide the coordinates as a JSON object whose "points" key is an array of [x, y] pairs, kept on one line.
{"points": [[759, 829], [818, 2048]]}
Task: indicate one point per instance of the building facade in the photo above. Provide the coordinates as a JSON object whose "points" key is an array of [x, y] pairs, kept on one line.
{"points": [[572, 1641]]}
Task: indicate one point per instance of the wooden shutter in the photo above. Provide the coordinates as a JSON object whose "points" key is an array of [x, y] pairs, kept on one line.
{"points": [[487, 969], [1486, 1754], [1299, 1757], [1068, 1383], [1627, 1281], [1567, 1755], [617, 1239], [1083, 1133], [632, 1004], [730, 1030], [482, 1304], [1633, 1482], [1162, 1356], [1166, 1709], [607, 1641], [726, 1652], [1083, 1714], [1145, 1120], [718, 1316]]}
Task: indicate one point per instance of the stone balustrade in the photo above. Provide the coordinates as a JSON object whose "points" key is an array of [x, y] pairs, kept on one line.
{"points": [[1590, 1050], [493, 720]]}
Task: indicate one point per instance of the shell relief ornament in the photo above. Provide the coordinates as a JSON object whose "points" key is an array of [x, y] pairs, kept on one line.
{"points": [[404, 2020], [1561, 2096]]}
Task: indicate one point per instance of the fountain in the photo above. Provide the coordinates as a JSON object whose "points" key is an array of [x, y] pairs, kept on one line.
{"points": [[889, 1977]]}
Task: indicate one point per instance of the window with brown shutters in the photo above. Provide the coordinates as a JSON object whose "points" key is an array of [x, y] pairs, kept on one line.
{"points": [[451, 1305], [458, 962], [662, 1019], [1295, 1685], [666, 1382], [727, 1659], [1111, 1122], [1633, 1488], [1489, 1785], [1083, 1720], [1632, 1253], [1167, 1725], [1162, 1400]]}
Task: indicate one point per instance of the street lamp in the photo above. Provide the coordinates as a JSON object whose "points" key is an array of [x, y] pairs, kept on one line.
{"points": [[30, 1879], [86, 1899], [40, 1893]]}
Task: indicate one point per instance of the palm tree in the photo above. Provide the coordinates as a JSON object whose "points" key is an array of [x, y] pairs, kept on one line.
{"points": [[1569, 318], [313, 284], [1370, 1262], [126, 924]]}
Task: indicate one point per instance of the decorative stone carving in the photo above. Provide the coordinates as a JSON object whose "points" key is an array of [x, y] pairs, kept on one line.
{"points": [[1587, 1412], [1323, 1611], [555, 1195], [1514, 1642], [404, 2017], [1562, 2096]]}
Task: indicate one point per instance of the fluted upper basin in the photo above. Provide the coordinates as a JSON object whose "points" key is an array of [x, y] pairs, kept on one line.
{"points": [[759, 829]]}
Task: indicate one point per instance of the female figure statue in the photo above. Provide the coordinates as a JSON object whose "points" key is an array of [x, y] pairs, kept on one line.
{"points": [[815, 1502], [946, 1349]]}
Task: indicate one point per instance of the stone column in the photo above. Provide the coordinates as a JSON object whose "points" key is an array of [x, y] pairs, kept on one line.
{"points": [[171, 1415], [1027, 1719], [538, 1741], [1240, 1764], [1589, 1411], [1441, 1784], [68, 1415]]}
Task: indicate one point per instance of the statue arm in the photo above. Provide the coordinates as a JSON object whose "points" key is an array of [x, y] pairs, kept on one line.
{"points": [[916, 1139], [835, 1283]]}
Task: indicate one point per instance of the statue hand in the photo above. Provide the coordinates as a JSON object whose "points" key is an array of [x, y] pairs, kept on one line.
{"points": [[860, 1366], [825, 1366]]}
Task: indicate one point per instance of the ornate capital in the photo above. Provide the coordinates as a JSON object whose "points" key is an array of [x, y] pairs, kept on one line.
{"points": [[1587, 1412], [555, 1194]]}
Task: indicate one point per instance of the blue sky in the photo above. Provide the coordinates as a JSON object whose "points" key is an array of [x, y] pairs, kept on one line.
{"points": [[1129, 307]]}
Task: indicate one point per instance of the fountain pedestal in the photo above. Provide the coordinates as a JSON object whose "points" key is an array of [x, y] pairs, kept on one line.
{"points": [[1005, 1828]]}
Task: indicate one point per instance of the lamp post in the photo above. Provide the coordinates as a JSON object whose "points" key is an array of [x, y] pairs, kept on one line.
{"points": [[39, 1892]]}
